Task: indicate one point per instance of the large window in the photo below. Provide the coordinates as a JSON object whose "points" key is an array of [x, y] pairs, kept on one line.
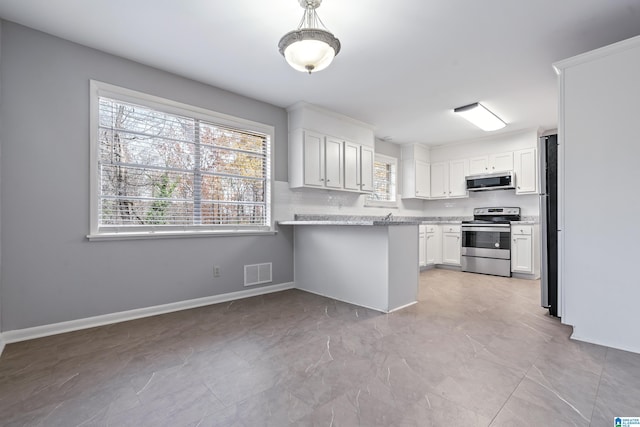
{"points": [[384, 182], [160, 166]]}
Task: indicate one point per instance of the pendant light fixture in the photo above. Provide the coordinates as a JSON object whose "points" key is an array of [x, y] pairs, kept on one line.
{"points": [[309, 48]]}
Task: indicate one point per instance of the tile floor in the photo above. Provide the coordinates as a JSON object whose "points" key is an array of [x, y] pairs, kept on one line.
{"points": [[475, 351]]}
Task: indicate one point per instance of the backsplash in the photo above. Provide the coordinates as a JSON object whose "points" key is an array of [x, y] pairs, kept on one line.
{"points": [[288, 202]]}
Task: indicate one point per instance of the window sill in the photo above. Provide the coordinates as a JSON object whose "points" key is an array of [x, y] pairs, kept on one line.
{"points": [[176, 234]]}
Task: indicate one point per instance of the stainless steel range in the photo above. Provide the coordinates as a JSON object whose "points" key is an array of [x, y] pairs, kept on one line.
{"points": [[486, 241]]}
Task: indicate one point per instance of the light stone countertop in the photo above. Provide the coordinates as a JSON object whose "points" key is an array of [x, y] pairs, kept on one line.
{"points": [[364, 220], [348, 222]]}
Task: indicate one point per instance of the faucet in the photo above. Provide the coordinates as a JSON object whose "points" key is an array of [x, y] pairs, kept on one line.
{"points": [[388, 217]]}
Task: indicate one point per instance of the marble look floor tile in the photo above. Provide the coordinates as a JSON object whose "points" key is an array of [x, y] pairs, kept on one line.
{"points": [[435, 411], [619, 388], [474, 350], [479, 386], [533, 404]]}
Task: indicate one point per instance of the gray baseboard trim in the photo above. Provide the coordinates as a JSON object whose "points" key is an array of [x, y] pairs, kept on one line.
{"points": [[18, 335]]}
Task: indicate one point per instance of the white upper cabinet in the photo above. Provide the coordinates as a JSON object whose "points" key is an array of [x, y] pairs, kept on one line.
{"points": [[500, 162], [358, 167], [422, 179], [366, 171], [320, 159], [458, 170], [313, 158], [526, 167], [416, 172], [478, 165], [352, 166], [448, 179], [333, 162], [440, 180]]}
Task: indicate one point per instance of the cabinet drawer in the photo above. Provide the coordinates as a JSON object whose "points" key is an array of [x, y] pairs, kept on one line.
{"points": [[520, 230], [430, 228], [447, 228]]}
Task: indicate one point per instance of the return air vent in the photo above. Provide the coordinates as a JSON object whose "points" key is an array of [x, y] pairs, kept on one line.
{"points": [[256, 274]]}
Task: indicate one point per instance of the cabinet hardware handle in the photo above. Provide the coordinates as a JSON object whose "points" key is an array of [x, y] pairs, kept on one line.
{"points": [[321, 179], [328, 180], [518, 187]]}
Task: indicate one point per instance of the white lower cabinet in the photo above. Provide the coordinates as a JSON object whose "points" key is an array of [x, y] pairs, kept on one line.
{"points": [[433, 245], [441, 244], [522, 249], [451, 235], [422, 248]]}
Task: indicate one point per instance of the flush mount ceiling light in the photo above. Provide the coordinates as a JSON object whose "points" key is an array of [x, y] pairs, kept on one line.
{"points": [[480, 116], [309, 48]]}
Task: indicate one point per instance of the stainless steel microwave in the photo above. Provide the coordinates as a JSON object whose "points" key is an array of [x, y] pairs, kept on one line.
{"points": [[491, 181]]}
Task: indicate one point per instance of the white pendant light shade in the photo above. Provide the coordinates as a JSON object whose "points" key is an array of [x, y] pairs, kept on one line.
{"points": [[480, 116], [309, 49]]}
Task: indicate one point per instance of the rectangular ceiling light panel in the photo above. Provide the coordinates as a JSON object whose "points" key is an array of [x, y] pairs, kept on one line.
{"points": [[480, 116]]}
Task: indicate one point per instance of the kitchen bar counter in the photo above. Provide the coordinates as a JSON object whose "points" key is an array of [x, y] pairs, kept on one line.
{"points": [[367, 262]]}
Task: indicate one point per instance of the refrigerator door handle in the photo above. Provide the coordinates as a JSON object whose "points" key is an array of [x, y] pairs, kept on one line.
{"points": [[544, 267]]}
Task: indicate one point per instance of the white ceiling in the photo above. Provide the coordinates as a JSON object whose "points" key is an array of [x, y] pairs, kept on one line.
{"points": [[404, 64]]}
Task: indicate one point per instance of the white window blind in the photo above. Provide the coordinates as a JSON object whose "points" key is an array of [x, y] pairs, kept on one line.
{"points": [[384, 181], [174, 170]]}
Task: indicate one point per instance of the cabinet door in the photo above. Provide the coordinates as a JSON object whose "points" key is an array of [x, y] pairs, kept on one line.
{"points": [[451, 248], [422, 260], [423, 179], [458, 170], [501, 162], [526, 171], [366, 169], [522, 253], [439, 180], [313, 153], [333, 163], [478, 165], [430, 249], [351, 166]]}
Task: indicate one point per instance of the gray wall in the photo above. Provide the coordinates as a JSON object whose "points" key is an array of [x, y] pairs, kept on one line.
{"points": [[51, 273]]}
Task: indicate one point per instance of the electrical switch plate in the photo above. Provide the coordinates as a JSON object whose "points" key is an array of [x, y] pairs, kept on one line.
{"points": [[216, 271]]}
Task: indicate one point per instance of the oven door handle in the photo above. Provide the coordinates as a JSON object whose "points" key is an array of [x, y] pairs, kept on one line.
{"points": [[491, 229]]}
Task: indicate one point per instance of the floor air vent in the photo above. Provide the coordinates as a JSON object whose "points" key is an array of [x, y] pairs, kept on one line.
{"points": [[256, 274]]}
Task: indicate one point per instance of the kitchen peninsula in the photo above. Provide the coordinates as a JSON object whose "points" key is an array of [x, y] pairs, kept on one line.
{"points": [[366, 261]]}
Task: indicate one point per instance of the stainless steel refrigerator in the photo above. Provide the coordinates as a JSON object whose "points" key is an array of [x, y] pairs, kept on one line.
{"points": [[548, 151]]}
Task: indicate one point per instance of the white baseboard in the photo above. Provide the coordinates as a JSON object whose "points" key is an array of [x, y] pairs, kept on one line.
{"points": [[122, 316], [403, 306]]}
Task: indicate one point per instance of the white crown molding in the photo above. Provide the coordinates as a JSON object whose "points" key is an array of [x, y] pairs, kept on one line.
{"points": [[602, 52], [123, 316]]}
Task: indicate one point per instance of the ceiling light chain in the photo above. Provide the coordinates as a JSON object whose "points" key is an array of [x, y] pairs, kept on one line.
{"points": [[311, 47]]}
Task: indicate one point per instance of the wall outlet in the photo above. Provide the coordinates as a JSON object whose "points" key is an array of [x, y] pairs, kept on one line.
{"points": [[216, 271]]}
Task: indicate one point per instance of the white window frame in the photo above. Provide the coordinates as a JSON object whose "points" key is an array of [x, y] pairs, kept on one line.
{"points": [[100, 89], [369, 202]]}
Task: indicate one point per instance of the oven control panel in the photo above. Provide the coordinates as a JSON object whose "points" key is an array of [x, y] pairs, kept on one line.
{"points": [[496, 211]]}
